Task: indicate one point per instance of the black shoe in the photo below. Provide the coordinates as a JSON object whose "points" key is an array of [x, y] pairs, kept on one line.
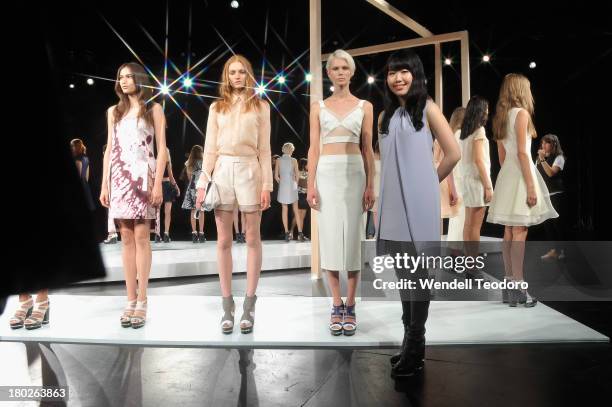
{"points": [[158, 238], [194, 237], [301, 237], [412, 359], [242, 238], [201, 238], [287, 237], [167, 238]]}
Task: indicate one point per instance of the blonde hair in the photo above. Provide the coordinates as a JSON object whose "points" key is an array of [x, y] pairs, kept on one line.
{"points": [[225, 89], [456, 120], [342, 54], [288, 148], [515, 91]]}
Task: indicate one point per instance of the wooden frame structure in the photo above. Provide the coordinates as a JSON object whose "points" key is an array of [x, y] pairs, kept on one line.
{"points": [[427, 38]]}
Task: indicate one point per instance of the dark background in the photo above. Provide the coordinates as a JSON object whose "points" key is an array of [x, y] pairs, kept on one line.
{"points": [[570, 42]]}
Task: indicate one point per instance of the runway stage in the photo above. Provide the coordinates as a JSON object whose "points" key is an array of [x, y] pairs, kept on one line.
{"points": [[290, 322]]}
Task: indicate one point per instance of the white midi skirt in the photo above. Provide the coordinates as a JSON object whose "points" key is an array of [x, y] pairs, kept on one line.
{"points": [[341, 181]]}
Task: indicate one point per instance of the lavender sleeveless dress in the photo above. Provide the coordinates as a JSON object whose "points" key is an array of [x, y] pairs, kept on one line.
{"points": [[409, 199], [132, 170]]}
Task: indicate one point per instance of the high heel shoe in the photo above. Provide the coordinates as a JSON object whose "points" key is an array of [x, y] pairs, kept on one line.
{"points": [[336, 320], [349, 325], [247, 321], [127, 314], [227, 320], [167, 237], [39, 316], [412, 359], [111, 239], [22, 313], [138, 321]]}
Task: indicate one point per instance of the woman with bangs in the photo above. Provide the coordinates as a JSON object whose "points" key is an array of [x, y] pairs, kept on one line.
{"points": [[520, 198], [237, 158], [132, 180], [409, 200]]}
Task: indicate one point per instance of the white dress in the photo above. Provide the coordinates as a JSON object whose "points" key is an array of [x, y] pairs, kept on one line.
{"points": [[455, 224], [472, 188], [509, 205]]}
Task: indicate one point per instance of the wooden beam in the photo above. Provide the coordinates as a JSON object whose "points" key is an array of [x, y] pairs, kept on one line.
{"points": [[392, 46], [465, 68], [400, 17], [316, 94], [438, 77]]}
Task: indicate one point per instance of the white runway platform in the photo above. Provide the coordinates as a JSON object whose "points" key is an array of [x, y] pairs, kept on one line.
{"points": [[182, 259], [293, 323]]}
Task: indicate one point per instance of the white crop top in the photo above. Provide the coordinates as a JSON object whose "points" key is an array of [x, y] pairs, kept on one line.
{"points": [[341, 130]]}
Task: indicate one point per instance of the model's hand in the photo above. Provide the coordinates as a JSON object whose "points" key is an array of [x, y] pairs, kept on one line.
{"points": [[200, 195], [368, 199], [541, 154], [312, 196], [488, 195], [178, 190], [265, 200], [156, 195], [104, 196], [532, 198], [453, 196]]}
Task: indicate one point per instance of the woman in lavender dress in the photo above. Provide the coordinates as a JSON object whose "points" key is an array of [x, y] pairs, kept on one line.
{"points": [[131, 184], [409, 200]]}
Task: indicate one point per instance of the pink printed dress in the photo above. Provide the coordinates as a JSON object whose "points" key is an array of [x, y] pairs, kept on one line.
{"points": [[132, 170]]}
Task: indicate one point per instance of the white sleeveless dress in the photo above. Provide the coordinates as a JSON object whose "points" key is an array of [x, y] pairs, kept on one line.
{"points": [[509, 204]]}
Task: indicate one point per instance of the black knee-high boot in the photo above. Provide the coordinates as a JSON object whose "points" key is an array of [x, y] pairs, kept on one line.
{"points": [[406, 318], [412, 355]]}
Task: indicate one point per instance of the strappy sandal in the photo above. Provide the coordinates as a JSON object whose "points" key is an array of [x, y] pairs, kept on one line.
{"points": [[23, 312], [139, 317], [127, 314], [227, 320], [39, 316], [247, 321], [335, 323], [349, 326]]}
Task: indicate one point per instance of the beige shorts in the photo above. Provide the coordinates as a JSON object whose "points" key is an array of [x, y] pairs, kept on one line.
{"points": [[238, 180]]}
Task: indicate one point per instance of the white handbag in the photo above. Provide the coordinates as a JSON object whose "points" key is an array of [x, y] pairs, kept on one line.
{"points": [[212, 198]]}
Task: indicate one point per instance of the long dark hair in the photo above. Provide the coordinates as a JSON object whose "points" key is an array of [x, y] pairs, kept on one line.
{"points": [[416, 98], [556, 145], [143, 90], [475, 116]]}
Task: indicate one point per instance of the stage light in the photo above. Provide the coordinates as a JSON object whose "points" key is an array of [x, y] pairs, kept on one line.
{"points": [[448, 62], [281, 79], [331, 89], [260, 89], [486, 58], [187, 82], [90, 81], [308, 77], [234, 4], [71, 86], [532, 65], [165, 89], [370, 80]]}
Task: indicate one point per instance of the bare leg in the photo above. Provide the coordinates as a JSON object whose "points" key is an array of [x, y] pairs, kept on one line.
{"points": [[285, 218], [143, 256], [42, 295], [519, 235], [253, 222], [297, 218], [353, 281], [167, 216], [128, 255], [201, 222], [193, 220], [506, 248], [223, 220], [236, 228], [334, 285], [243, 222]]}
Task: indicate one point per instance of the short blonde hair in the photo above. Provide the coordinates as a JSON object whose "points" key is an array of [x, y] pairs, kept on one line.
{"points": [[288, 148], [342, 54]]}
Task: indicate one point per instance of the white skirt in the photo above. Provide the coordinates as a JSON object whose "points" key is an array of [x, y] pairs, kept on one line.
{"points": [[509, 204], [473, 193], [341, 182]]}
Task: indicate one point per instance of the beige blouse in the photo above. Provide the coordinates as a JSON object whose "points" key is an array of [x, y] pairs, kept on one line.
{"points": [[238, 133]]}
